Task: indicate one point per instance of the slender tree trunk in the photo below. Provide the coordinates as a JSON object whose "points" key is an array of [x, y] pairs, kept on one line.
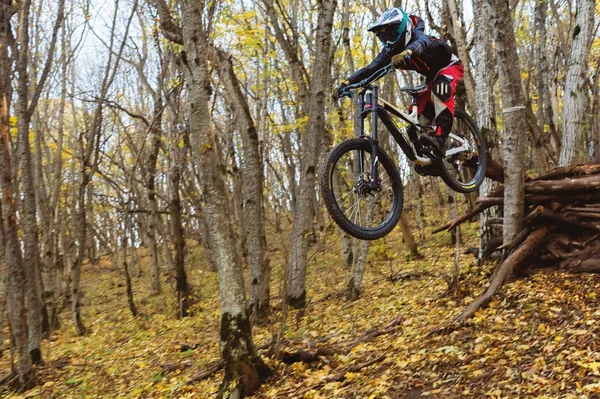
{"points": [[409, 240], [420, 216], [15, 276], [182, 288], [243, 368], [153, 217], [88, 153], [463, 52], [303, 215], [3, 277], [486, 115], [29, 218], [252, 188], [358, 271], [514, 117], [129, 288], [575, 97]]}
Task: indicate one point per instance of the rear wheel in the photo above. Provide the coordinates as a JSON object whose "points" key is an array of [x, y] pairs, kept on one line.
{"points": [[463, 167], [361, 207]]}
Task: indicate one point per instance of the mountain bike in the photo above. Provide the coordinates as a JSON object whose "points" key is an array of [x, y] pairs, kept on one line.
{"points": [[360, 183]]}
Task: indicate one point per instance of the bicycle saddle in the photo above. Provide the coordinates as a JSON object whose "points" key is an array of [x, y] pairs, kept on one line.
{"points": [[414, 91]]}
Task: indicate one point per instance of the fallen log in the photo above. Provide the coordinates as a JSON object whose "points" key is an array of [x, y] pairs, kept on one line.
{"points": [[340, 348], [589, 183], [474, 212], [586, 215], [584, 209], [569, 171], [490, 201], [565, 200], [504, 270], [583, 266], [580, 198], [548, 215]]}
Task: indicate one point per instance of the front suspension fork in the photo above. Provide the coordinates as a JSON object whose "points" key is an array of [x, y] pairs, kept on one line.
{"points": [[368, 105]]}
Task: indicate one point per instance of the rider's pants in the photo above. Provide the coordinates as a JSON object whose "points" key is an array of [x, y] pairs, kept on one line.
{"points": [[436, 104]]}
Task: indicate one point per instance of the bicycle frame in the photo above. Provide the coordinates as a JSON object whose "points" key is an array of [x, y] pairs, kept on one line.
{"points": [[369, 102]]}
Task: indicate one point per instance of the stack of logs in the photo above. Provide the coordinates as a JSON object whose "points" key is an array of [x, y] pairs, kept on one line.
{"points": [[561, 226]]}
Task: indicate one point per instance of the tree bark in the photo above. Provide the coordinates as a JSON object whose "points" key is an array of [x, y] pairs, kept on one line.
{"points": [[29, 218], [409, 240], [252, 188], [486, 115], [244, 370], [153, 217], [176, 163], [514, 117], [15, 275], [128, 286], [358, 271], [303, 215], [575, 97], [463, 52]]}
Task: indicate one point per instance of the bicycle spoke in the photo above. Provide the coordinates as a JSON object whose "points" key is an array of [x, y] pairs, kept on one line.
{"points": [[360, 200]]}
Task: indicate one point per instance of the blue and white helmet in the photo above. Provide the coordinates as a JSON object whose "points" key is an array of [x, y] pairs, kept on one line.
{"points": [[391, 26]]}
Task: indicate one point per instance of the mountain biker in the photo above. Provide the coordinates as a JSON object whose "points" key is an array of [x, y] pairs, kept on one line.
{"points": [[407, 46]]}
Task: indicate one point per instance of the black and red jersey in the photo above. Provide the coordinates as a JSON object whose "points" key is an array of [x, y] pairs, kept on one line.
{"points": [[429, 54]]}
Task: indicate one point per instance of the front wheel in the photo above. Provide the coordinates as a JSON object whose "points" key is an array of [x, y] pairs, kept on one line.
{"points": [[463, 167], [363, 207]]}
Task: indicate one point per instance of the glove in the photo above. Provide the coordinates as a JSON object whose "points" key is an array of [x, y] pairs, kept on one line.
{"points": [[399, 60], [337, 93]]}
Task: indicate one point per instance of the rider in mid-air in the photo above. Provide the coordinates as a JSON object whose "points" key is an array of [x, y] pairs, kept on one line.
{"points": [[407, 47]]}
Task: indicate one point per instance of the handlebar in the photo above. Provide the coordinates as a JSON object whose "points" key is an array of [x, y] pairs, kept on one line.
{"points": [[347, 92]]}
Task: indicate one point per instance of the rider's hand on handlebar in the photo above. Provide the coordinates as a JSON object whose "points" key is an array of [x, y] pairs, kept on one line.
{"points": [[340, 92], [399, 60]]}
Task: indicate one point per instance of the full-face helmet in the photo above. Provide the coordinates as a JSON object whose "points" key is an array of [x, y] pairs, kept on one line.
{"points": [[391, 26]]}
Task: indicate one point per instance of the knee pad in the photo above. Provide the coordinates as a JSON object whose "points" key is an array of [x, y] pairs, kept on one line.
{"points": [[442, 88]]}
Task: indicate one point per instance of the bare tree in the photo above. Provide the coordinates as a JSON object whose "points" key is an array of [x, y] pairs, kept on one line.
{"points": [[576, 97], [89, 147], [486, 112], [252, 187], [514, 117], [15, 281], [312, 92], [244, 370]]}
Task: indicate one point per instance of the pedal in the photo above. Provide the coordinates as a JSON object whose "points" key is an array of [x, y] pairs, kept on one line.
{"points": [[427, 170], [432, 154]]}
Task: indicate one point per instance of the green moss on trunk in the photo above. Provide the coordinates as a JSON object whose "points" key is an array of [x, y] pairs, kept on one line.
{"points": [[244, 370], [297, 302]]}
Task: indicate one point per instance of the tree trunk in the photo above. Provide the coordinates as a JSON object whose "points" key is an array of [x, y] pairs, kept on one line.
{"points": [[244, 370], [128, 286], [3, 276], [420, 213], [463, 52], [486, 115], [303, 215], [514, 117], [575, 97], [29, 218], [181, 284], [409, 240], [153, 217], [358, 271], [15, 284], [252, 188]]}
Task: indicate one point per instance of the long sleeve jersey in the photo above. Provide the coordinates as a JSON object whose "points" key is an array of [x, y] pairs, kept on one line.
{"points": [[429, 54]]}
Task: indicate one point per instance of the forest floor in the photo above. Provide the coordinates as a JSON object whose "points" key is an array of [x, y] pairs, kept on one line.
{"points": [[538, 338]]}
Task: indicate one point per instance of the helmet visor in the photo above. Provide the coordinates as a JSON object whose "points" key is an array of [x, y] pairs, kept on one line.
{"points": [[388, 34]]}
